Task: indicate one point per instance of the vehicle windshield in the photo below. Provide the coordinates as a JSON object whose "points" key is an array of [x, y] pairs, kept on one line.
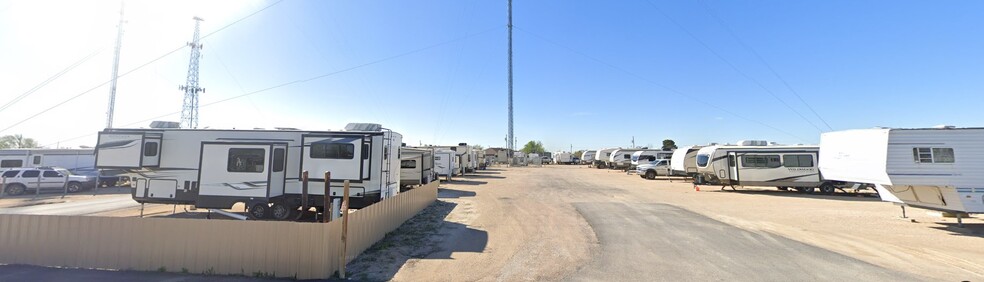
{"points": [[702, 160]]}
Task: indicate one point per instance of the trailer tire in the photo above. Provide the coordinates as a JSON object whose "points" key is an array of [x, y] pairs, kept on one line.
{"points": [[783, 188], [827, 188], [258, 211], [280, 211], [650, 174], [805, 190]]}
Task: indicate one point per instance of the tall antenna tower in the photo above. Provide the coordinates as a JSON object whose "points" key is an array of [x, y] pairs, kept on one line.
{"points": [[116, 70], [189, 111], [511, 140]]}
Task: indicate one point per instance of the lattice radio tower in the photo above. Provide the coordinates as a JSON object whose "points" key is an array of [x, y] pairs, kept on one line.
{"points": [[189, 111]]}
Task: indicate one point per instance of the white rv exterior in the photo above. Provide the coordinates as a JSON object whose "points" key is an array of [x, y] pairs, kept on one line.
{"points": [[777, 166], [602, 156], [63, 158], [416, 166], [445, 163], [588, 156], [261, 168], [621, 158], [645, 155], [684, 161], [562, 157], [933, 168]]}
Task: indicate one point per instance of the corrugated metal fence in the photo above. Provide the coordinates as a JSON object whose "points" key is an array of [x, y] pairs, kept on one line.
{"points": [[220, 247]]}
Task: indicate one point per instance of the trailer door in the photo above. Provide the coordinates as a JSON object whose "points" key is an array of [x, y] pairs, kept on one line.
{"points": [[278, 170], [240, 170], [151, 151], [343, 155]]}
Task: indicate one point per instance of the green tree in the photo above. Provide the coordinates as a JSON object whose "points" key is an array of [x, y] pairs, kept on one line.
{"points": [[533, 147], [578, 153], [669, 144], [17, 141]]}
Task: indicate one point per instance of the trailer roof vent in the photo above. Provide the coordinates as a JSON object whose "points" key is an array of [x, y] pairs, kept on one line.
{"points": [[753, 143], [462, 144], [164, 124], [945, 126], [363, 127]]}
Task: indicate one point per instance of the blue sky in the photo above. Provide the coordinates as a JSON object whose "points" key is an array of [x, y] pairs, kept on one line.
{"points": [[587, 74]]}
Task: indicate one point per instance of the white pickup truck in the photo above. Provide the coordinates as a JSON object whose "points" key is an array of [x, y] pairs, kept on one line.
{"points": [[652, 168], [20, 180]]}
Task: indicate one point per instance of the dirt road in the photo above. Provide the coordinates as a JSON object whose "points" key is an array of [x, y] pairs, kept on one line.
{"points": [[578, 223]]}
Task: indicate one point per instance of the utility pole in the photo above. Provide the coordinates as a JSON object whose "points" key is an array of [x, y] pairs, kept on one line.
{"points": [[116, 69], [509, 27], [633, 142], [189, 110]]}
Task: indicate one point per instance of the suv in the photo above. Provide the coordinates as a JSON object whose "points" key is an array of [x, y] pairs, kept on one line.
{"points": [[653, 168], [19, 180]]}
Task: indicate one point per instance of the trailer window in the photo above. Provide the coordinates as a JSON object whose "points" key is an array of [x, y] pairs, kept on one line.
{"points": [[408, 164], [797, 160], [246, 160], [333, 151], [768, 161], [365, 151], [702, 160], [11, 163], [37, 160], [278, 160], [437, 158], [731, 161], [150, 149], [933, 155]]}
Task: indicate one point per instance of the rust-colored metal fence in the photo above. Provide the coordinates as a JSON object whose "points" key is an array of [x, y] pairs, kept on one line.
{"points": [[219, 247]]}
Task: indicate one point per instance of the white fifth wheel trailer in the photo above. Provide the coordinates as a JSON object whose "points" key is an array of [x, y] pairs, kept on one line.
{"points": [[211, 168], [63, 158], [602, 156], [684, 161], [445, 163], [775, 166], [416, 167], [621, 159], [588, 156], [933, 168]]}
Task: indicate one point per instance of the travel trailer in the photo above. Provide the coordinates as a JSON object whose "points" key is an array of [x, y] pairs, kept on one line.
{"points": [[63, 158], [646, 155], [563, 158], [588, 156], [211, 168], [684, 161], [445, 163], [519, 159], [933, 168], [602, 156], [416, 167], [534, 159], [778, 166], [462, 155], [621, 159]]}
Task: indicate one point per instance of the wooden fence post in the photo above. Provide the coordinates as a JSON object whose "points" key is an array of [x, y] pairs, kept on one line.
{"points": [[345, 218], [326, 210]]}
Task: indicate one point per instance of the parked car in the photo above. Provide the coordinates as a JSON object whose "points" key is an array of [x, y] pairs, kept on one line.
{"points": [[545, 160], [107, 178], [20, 180], [652, 168]]}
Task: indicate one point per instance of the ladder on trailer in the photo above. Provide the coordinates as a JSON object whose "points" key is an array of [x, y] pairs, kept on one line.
{"points": [[387, 146]]}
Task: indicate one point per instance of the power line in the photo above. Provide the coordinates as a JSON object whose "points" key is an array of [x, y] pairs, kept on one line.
{"points": [[312, 78], [49, 80], [732, 65], [764, 62], [134, 69], [640, 77]]}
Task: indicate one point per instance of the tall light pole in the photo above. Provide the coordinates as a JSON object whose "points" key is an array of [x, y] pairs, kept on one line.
{"points": [[509, 27]]}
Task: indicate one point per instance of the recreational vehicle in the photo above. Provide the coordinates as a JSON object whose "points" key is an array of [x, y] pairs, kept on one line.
{"points": [[445, 163], [933, 168], [211, 168], [684, 161], [63, 158], [621, 159], [588, 156], [602, 156], [563, 158], [776, 166], [646, 155], [416, 167]]}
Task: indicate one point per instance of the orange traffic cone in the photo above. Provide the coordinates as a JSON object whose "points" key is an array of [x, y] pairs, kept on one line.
{"points": [[697, 188]]}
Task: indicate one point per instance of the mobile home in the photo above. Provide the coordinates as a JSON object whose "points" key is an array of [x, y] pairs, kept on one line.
{"points": [[776, 166], [416, 167], [64, 158], [933, 168], [211, 168], [684, 161], [602, 156], [588, 156]]}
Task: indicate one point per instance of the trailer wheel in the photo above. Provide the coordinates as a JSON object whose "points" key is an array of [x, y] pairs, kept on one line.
{"points": [[280, 211], [650, 174], [258, 211], [805, 190], [783, 188], [827, 188]]}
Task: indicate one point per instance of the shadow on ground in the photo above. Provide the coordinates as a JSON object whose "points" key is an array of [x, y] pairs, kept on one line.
{"points": [[473, 175], [40, 273], [968, 229], [425, 236], [458, 181], [445, 193], [839, 196]]}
